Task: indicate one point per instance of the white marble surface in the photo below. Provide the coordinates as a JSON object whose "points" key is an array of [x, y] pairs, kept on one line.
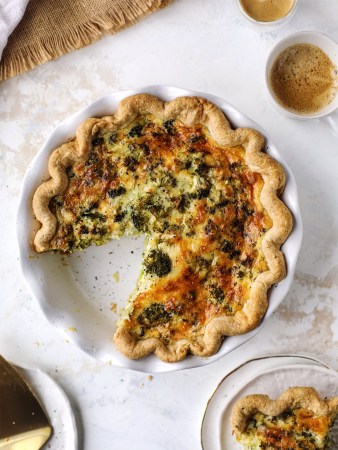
{"points": [[205, 46]]}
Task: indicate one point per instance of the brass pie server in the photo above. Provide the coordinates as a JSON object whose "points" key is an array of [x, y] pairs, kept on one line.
{"points": [[23, 423]]}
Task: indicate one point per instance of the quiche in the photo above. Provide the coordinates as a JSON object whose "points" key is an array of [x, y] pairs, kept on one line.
{"points": [[205, 196], [298, 419]]}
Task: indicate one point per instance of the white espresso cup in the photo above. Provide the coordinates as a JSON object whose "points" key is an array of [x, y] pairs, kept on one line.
{"points": [[267, 24], [328, 46]]}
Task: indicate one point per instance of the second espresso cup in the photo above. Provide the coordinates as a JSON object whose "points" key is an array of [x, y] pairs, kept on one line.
{"points": [[312, 38], [267, 13]]}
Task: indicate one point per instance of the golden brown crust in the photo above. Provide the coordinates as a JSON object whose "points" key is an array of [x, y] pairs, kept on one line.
{"points": [[293, 398], [190, 111]]}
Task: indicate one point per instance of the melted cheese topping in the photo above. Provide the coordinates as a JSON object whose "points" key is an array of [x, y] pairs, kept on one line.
{"points": [[199, 205], [291, 430]]}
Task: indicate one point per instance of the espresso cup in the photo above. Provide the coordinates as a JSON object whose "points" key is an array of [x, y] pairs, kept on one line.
{"points": [[268, 13], [330, 49]]}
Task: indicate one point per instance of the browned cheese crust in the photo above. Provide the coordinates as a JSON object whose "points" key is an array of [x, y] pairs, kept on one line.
{"points": [[188, 112], [294, 398]]}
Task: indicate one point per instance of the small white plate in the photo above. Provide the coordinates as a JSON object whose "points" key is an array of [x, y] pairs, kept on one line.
{"points": [[56, 406], [269, 376], [83, 294]]}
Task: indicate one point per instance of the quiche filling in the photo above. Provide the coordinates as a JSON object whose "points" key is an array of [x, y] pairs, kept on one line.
{"points": [[292, 430], [198, 204]]}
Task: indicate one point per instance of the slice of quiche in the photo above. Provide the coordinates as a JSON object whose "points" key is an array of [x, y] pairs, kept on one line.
{"points": [[298, 419], [205, 196]]}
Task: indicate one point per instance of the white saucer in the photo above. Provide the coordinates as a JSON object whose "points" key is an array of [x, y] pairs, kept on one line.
{"points": [[57, 407]]}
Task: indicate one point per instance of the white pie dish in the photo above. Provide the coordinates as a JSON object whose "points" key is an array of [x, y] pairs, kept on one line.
{"points": [[77, 292]]}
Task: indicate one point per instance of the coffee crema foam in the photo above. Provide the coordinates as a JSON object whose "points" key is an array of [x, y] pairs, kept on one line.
{"points": [[267, 10], [304, 79]]}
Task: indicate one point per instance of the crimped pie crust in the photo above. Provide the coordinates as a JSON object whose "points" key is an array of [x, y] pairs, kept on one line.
{"points": [[293, 398], [190, 111]]}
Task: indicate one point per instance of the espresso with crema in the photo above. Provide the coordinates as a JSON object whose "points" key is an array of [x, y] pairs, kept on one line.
{"points": [[304, 79], [267, 10]]}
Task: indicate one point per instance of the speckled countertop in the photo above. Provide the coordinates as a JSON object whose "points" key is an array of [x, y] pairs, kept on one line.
{"points": [[209, 47]]}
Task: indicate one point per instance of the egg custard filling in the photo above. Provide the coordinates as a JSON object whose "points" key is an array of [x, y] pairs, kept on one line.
{"points": [[298, 429]]}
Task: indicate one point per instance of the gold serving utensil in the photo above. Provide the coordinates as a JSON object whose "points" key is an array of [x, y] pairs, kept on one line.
{"points": [[23, 423]]}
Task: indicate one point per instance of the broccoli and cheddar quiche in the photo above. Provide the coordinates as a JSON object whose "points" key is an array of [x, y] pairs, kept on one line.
{"points": [[299, 419], [205, 196]]}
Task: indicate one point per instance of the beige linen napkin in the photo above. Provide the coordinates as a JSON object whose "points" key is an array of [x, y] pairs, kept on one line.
{"points": [[51, 28]]}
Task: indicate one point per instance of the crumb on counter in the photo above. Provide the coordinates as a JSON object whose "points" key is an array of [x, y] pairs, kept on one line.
{"points": [[116, 277], [33, 256]]}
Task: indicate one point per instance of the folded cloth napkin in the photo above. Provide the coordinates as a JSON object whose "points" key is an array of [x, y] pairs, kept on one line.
{"points": [[51, 28], [11, 12]]}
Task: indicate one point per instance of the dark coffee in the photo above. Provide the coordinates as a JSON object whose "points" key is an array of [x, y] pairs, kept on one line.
{"points": [[267, 10], [304, 79]]}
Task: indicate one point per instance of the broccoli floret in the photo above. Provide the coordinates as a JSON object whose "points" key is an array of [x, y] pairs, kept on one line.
{"points": [[217, 294], [112, 138], [154, 315], [184, 203], [222, 203], [92, 159], [202, 169], [97, 141], [285, 414], [234, 254], [138, 220], [94, 216], [136, 131], [226, 246], [120, 216], [202, 192], [158, 263], [130, 162], [168, 180], [169, 126], [195, 138], [117, 192]]}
